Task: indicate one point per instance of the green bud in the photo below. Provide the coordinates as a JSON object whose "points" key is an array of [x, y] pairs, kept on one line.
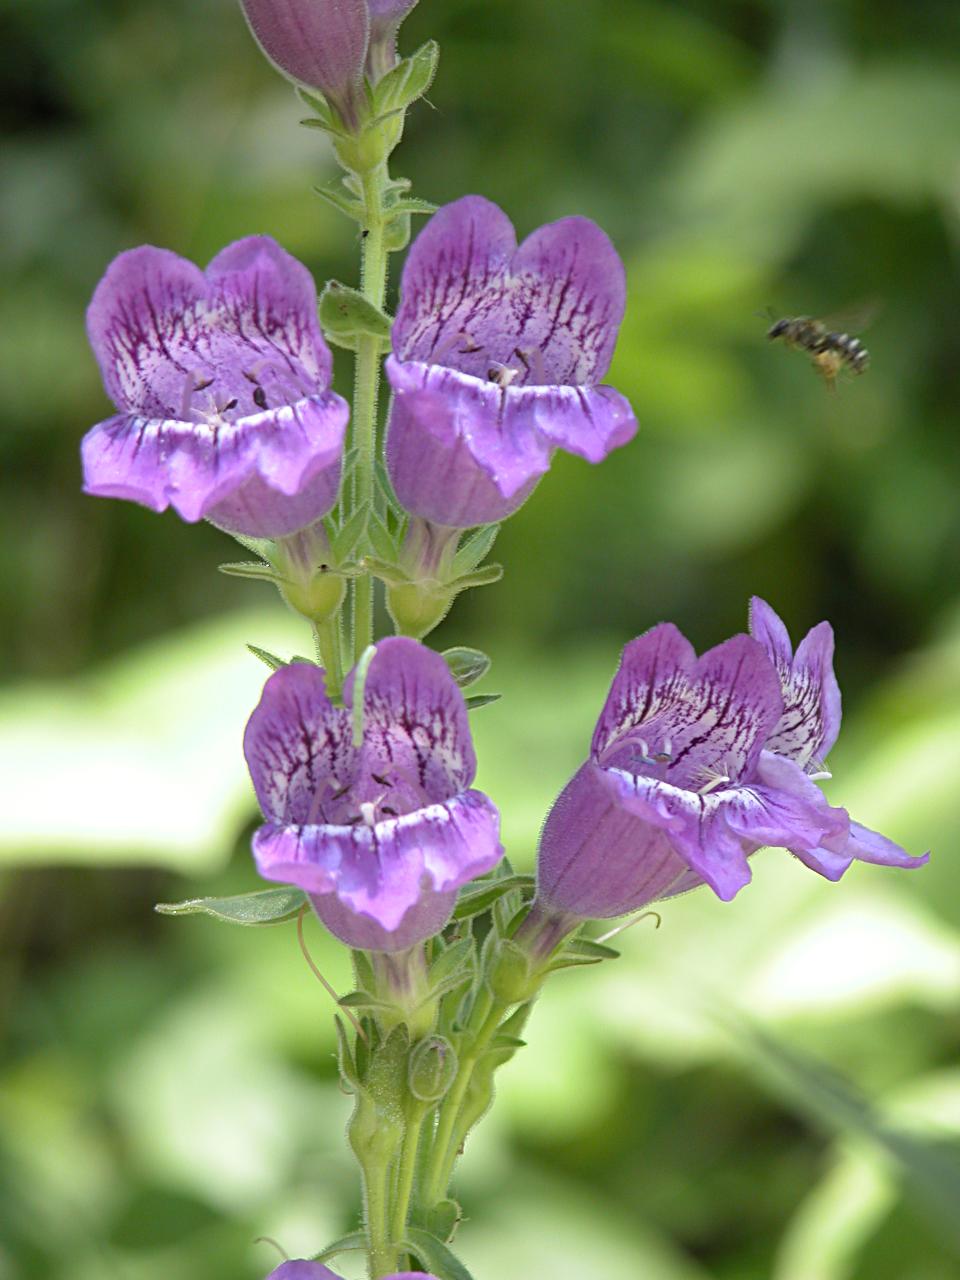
{"points": [[317, 598], [431, 1069], [417, 607], [511, 976]]}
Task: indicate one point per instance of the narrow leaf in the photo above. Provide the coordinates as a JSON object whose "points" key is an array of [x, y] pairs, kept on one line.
{"points": [[407, 81], [271, 659], [270, 906], [251, 569], [435, 1255], [362, 1000], [485, 576], [476, 549], [380, 539], [481, 897], [450, 961], [353, 1243], [345, 312], [340, 200], [478, 700], [346, 540]]}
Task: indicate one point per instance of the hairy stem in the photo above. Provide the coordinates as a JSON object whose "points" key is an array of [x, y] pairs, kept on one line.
{"points": [[373, 283], [485, 1018]]}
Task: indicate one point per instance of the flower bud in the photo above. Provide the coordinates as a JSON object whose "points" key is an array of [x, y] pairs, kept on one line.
{"points": [[385, 19], [431, 1069], [318, 43]]}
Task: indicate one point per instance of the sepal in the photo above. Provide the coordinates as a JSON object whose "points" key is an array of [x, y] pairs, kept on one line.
{"points": [[431, 1252], [407, 81]]}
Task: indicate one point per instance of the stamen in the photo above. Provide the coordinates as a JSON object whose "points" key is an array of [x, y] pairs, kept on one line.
{"points": [[820, 776], [532, 358], [502, 375], [714, 779], [382, 779], [260, 398], [450, 342], [368, 812]]}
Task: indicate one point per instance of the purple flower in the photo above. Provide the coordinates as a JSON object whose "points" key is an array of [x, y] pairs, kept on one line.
{"points": [[222, 382], [498, 353], [382, 835], [316, 1271], [697, 763], [328, 44], [318, 43], [385, 19]]}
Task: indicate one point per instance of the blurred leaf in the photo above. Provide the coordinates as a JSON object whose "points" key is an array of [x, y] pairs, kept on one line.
{"points": [[433, 1253], [268, 906]]}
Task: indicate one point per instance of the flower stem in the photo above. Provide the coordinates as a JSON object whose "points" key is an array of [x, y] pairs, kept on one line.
{"points": [[406, 1174], [373, 284], [382, 1255], [485, 1018], [327, 637]]}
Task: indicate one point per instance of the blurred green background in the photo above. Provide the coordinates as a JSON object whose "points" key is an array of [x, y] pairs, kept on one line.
{"points": [[167, 1088]]}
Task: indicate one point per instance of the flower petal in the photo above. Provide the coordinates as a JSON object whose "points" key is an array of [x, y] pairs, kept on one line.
{"points": [[452, 454], [599, 858], [464, 451], [175, 343], [694, 827], [320, 43], [202, 470], [298, 746], [415, 727], [653, 670], [382, 871], [870, 846], [470, 298], [810, 722]]}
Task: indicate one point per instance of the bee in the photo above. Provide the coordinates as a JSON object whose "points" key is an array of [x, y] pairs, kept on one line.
{"points": [[831, 352]]}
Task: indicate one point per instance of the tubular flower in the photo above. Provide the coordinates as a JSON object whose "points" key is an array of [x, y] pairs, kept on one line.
{"points": [[318, 43], [222, 383], [498, 351], [697, 763], [380, 835], [385, 19]]}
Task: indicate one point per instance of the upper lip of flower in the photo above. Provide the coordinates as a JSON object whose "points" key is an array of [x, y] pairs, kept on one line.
{"points": [[220, 376], [376, 822]]}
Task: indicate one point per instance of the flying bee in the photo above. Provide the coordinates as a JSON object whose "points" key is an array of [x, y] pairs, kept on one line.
{"points": [[830, 351]]}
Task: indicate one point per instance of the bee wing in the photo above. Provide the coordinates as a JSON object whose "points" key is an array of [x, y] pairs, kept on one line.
{"points": [[855, 318]]}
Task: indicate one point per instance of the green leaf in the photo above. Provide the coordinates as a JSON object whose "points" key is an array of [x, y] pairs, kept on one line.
{"points": [[410, 204], [450, 962], [466, 665], [265, 656], [478, 700], [591, 950], [483, 577], [346, 539], [389, 573], [381, 540], [251, 569], [346, 313], [476, 549], [442, 1220], [269, 906], [354, 1242], [481, 897], [341, 200], [930, 1171], [407, 81], [382, 477], [363, 1000], [435, 1256], [349, 1074]]}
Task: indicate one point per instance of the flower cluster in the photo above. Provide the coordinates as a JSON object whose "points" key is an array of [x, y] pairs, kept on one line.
{"points": [[496, 359]]}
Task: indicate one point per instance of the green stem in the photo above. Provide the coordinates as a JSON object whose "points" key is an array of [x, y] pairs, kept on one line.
{"points": [[485, 1018], [406, 1175], [373, 283], [327, 637], [382, 1255]]}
